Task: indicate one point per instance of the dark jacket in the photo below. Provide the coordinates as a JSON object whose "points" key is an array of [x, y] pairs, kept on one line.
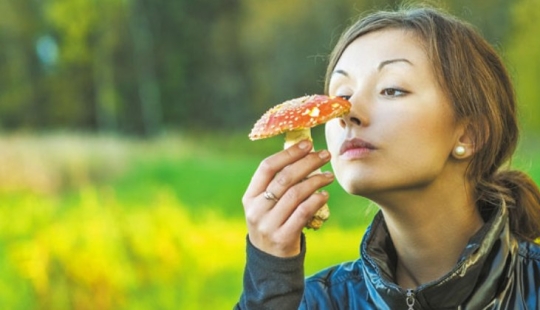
{"points": [[495, 271]]}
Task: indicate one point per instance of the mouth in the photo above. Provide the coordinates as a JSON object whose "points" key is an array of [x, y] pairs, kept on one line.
{"points": [[355, 148]]}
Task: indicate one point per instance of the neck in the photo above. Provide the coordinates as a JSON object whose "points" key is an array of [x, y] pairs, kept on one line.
{"points": [[430, 233]]}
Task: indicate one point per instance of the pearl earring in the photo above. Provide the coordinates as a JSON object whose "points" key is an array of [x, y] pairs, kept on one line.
{"points": [[459, 151]]}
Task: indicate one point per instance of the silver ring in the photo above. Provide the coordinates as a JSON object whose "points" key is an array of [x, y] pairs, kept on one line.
{"points": [[270, 196]]}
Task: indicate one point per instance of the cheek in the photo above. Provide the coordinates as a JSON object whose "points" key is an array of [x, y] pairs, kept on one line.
{"points": [[334, 138], [333, 132]]}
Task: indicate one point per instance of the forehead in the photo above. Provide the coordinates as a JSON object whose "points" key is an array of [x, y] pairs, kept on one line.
{"points": [[369, 50]]}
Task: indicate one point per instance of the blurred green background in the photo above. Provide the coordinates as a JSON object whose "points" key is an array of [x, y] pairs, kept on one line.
{"points": [[123, 139]]}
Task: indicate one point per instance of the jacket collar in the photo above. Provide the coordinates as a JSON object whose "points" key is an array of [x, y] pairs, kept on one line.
{"points": [[474, 280]]}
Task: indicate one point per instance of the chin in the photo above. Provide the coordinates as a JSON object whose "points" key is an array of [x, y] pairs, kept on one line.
{"points": [[355, 186]]}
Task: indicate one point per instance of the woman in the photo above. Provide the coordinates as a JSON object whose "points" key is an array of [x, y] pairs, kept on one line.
{"points": [[433, 119]]}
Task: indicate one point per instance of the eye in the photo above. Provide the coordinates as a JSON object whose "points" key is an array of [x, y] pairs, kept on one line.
{"points": [[393, 92], [345, 97]]}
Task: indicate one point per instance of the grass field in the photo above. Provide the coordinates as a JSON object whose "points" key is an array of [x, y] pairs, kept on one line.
{"points": [[107, 222]]}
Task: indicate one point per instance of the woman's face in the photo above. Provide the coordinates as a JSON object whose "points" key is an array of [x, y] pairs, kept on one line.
{"points": [[400, 132]]}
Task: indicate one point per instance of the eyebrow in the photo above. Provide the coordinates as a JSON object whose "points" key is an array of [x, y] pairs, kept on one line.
{"points": [[379, 67], [339, 71], [390, 61]]}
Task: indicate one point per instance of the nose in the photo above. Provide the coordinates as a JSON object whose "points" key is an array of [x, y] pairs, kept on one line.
{"points": [[349, 120], [356, 117]]}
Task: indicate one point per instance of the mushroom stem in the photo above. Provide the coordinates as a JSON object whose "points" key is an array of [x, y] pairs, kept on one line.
{"points": [[295, 136], [291, 138]]}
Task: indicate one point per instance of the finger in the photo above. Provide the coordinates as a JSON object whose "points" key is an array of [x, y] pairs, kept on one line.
{"points": [[297, 196], [282, 239], [270, 166], [305, 212], [297, 172]]}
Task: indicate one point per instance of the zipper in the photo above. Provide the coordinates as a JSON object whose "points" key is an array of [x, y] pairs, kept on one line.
{"points": [[410, 299]]}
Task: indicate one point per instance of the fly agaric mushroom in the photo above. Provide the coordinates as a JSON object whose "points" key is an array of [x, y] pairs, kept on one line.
{"points": [[295, 118]]}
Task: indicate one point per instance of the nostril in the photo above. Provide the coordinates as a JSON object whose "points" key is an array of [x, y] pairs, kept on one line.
{"points": [[351, 120], [355, 120]]}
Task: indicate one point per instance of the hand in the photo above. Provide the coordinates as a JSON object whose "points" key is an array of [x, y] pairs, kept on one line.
{"points": [[275, 226]]}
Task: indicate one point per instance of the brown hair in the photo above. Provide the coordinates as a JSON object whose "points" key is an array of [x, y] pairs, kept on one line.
{"points": [[481, 92]]}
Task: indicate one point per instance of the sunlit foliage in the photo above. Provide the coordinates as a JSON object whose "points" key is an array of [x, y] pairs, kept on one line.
{"points": [[524, 60], [101, 223]]}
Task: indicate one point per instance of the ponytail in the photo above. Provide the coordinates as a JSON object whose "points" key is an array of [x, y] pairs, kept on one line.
{"points": [[522, 197]]}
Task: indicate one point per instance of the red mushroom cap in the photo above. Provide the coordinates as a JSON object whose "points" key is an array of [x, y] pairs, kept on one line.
{"points": [[299, 113]]}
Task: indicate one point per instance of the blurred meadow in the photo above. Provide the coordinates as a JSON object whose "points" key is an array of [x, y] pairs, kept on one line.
{"points": [[124, 149]]}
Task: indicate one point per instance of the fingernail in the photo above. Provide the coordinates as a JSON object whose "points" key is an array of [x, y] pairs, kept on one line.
{"points": [[324, 154], [328, 174], [324, 193], [303, 145]]}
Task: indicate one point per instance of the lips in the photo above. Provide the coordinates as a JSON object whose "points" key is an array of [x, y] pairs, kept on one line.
{"points": [[355, 148]]}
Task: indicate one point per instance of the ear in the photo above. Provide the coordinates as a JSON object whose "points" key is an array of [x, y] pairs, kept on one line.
{"points": [[464, 146]]}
